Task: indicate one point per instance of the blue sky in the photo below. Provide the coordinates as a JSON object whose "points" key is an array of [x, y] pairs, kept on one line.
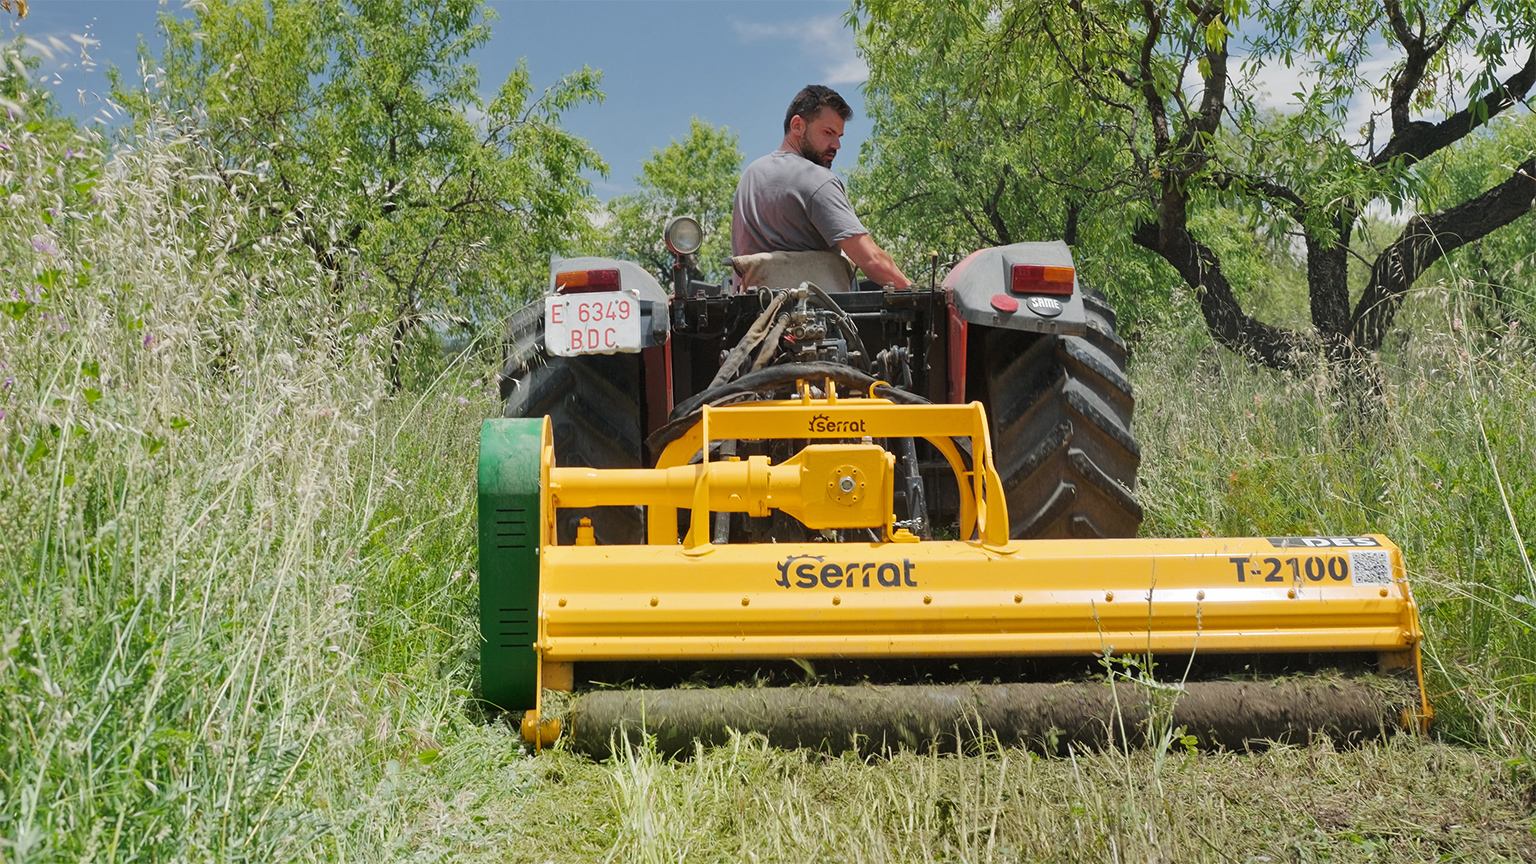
{"points": [[733, 63]]}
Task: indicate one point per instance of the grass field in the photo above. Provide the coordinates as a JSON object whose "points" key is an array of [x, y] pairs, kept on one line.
{"points": [[237, 587]]}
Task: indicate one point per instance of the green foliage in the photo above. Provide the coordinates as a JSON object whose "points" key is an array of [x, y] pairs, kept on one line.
{"points": [[953, 167], [361, 123], [22, 99], [692, 177], [1150, 121], [1498, 270]]}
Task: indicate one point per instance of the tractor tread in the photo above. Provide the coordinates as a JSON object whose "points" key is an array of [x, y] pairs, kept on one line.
{"points": [[1060, 409], [593, 405]]}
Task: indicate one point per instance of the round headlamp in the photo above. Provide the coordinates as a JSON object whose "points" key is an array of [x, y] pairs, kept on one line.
{"points": [[683, 235]]}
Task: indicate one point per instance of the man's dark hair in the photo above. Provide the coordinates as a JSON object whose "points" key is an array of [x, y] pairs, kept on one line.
{"points": [[812, 99]]}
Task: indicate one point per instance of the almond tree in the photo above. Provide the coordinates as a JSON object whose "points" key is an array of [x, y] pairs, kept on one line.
{"points": [[692, 177], [362, 121], [1176, 87]]}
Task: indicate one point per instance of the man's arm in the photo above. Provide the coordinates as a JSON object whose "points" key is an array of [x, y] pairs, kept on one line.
{"points": [[876, 263]]}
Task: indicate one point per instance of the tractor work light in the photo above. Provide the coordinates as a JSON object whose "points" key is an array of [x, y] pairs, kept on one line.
{"points": [[1036, 279], [586, 281], [684, 235]]}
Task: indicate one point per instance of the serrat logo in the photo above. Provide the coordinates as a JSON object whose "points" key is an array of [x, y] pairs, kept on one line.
{"points": [[810, 571], [824, 423]]}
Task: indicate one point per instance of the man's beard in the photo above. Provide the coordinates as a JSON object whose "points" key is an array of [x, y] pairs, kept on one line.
{"points": [[820, 157]]}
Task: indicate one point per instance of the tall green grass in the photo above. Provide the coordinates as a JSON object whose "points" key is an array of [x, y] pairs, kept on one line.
{"points": [[1445, 465], [237, 583], [237, 580]]}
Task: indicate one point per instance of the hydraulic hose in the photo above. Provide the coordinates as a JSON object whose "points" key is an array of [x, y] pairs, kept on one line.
{"points": [[769, 381]]}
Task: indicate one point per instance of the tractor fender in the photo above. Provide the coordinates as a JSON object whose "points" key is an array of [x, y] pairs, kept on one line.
{"points": [[978, 290]]}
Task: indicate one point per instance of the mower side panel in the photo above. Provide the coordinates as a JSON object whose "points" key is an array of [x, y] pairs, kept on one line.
{"points": [[509, 561]]}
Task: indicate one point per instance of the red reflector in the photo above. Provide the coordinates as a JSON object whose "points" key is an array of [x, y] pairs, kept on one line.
{"points": [[1004, 303], [1037, 279], [585, 281]]}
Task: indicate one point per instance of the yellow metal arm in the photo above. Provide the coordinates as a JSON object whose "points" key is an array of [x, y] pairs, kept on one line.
{"points": [[824, 486], [982, 508]]}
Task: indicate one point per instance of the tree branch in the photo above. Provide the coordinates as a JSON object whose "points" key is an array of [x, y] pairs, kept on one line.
{"points": [[1419, 52], [1419, 139], [1148, 83], [1426, 239], [990, 208], [1228, 324], [1275, 193]]}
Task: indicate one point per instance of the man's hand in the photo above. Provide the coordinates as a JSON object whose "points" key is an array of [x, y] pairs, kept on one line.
{"points": [[876, 263]]}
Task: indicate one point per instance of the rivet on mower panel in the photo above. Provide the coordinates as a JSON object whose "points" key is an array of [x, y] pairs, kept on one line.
{"points": [[836, 600], [927, 598], [745, 601], [654, 601], [562, 602], [1109, 596], [1200, 595], [1383, 592], [1018, 598], [1291, 593]]}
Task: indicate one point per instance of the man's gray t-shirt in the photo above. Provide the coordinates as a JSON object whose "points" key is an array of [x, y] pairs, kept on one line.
{"points": [[787, 203]]}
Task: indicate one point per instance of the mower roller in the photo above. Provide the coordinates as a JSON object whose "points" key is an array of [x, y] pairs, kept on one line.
{"points": [[807, 506]]}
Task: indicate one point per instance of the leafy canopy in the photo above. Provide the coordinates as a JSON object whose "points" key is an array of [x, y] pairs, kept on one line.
{"points": [[362, 120], [1153, 114], [692, 177]]}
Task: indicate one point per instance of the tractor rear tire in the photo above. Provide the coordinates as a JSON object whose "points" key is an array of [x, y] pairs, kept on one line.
{"points": [[593, 405], [1060, 410]]}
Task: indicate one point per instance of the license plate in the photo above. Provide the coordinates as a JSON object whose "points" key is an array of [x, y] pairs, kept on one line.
{"points": [[598, 323]]}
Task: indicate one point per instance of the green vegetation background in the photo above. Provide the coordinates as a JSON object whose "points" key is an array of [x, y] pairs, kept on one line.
{"points": [[237, 615]]}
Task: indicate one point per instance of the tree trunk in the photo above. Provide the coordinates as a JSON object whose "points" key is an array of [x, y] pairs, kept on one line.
{"points": [[1228, 324], [1328, 284]]}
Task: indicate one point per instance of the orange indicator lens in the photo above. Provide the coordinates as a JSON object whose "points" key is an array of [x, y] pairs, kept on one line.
{"points": [[585, 281], [1038, 279]]}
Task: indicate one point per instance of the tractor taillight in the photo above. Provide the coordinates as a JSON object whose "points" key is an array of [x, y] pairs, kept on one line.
{"points": [[586, 281], [1036, 279]]}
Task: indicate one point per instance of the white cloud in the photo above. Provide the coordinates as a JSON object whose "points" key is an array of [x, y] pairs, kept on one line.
{"points": [[823, 41]]}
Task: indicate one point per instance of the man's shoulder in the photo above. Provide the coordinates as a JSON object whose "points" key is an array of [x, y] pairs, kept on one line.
{"points": [[782, 164]]}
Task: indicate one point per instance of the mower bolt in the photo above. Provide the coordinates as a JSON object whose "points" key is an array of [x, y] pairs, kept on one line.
{"points": [[1018, 598], [846, 484], [1383, 592], [927, 598], [745, 601], [1109, 596], [1200, 595], [562, 602], [836, 600], [1291, 593], [654, 601]]}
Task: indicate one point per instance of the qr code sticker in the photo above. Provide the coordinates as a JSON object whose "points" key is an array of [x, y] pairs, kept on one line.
{"points": [[1370, 568]]}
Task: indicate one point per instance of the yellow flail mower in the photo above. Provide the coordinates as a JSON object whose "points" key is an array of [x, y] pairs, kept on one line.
{"points": [[1226, 637], [852, 516]]}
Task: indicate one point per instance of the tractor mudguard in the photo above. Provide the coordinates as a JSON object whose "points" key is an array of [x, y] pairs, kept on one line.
{"points": [[980, 290]]}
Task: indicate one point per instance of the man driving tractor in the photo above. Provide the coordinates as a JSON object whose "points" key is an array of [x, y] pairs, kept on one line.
{"points": [[790, 201]]}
